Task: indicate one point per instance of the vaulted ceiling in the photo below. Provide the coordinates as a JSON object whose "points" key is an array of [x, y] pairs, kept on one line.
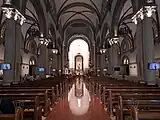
{"points": [[90, 11], [87, 17]]}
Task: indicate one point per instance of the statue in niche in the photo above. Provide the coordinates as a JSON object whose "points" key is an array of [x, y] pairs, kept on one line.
{"points": [[79, 66]]}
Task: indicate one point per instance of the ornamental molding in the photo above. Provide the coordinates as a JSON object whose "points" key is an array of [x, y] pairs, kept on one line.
{"points": [[145, 11], [11, 12]]}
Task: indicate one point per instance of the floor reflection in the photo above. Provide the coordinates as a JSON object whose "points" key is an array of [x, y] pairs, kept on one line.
{"points": [[79, 98], [78, 108]]}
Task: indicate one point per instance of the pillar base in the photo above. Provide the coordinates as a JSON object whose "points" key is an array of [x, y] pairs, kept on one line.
{"points": [[15, 82], [142, 82], [151, 83], [6, 83]]}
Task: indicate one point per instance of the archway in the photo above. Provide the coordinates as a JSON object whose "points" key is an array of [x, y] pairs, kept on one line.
{"points": [[78, 55]]}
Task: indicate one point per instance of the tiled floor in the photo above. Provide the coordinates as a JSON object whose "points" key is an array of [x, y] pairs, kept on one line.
{"points": [[63, 112]]}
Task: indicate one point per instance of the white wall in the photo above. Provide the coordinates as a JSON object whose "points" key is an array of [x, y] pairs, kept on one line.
{"points": [[25, 63], [133, 69], [24, 70]]}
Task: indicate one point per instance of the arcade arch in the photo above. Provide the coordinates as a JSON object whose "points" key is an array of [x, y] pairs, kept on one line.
{"points": [[78, 48]]}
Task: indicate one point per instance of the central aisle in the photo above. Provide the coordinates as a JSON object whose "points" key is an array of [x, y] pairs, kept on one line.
{"points": [[62, 111]]}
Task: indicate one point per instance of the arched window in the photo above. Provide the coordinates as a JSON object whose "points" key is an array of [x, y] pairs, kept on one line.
{"points": [[32, 61], [125, 60]]}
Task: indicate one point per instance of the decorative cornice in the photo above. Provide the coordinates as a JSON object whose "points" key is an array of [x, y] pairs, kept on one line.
{"points": [[11, 12], [145, 11]]}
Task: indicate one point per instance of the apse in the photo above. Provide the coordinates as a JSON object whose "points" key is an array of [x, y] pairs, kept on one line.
{"points": [[79, 47]]}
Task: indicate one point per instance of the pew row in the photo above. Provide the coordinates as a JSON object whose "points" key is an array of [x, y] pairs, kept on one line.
{"points": [[138, 109], [17, 116]]}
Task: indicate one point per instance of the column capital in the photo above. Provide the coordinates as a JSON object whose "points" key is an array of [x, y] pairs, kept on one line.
{"points": [[12, 13], [146, 11]]}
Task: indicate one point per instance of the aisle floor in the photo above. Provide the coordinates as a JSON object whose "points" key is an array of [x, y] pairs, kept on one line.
{"points": [[61, 111]]}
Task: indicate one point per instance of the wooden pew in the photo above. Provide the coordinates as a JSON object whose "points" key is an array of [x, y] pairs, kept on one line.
{"points": [[145, 95], [110, 96], [26, 93], [51, 92], [17, 116], [127, 107], [151, 114], [95, 86], [28, 99], [19, 109]]}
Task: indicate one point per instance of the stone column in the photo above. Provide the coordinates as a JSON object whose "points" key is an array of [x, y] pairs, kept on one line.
{"points": [[113, 59], [102, 63], [55, 62], [12, 53], [59, 62], [94, 57], [145, 43], [18, 53], [63, 58], [98, 62], [139, 44], [148, 50], [110, 69], [47, 61], [42, 60]]}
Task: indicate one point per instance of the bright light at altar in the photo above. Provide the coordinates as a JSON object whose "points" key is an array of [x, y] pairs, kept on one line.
{"points": [[78, 47]]}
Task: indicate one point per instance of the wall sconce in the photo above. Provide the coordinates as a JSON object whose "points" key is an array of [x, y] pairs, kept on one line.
{"points": [[43, 40], [103, 51], [11, 12], [114, 40], [55, 51]]}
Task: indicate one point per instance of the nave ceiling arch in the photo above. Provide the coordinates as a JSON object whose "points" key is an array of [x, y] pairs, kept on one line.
{"points": [[39, 11], [92, 9], [79, 36]]}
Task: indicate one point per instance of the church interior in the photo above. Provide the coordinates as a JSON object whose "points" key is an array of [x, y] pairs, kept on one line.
{"points": [[79, 59]]}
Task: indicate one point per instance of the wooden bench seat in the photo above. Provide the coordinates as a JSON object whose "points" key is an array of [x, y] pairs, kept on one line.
{"points": [[51, 92], [29, 102], [45, 92], [137, 114], [124, 107], [145, 98], [110, 97], [17, 116]]}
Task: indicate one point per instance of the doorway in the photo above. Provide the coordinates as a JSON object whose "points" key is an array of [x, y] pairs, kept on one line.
{"points": [[32, 66], [79, 64], [125, 65], [32, 70]]}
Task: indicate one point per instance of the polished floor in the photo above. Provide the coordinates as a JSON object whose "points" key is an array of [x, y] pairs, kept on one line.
{"points": [[63, 112], [67, 109]]}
